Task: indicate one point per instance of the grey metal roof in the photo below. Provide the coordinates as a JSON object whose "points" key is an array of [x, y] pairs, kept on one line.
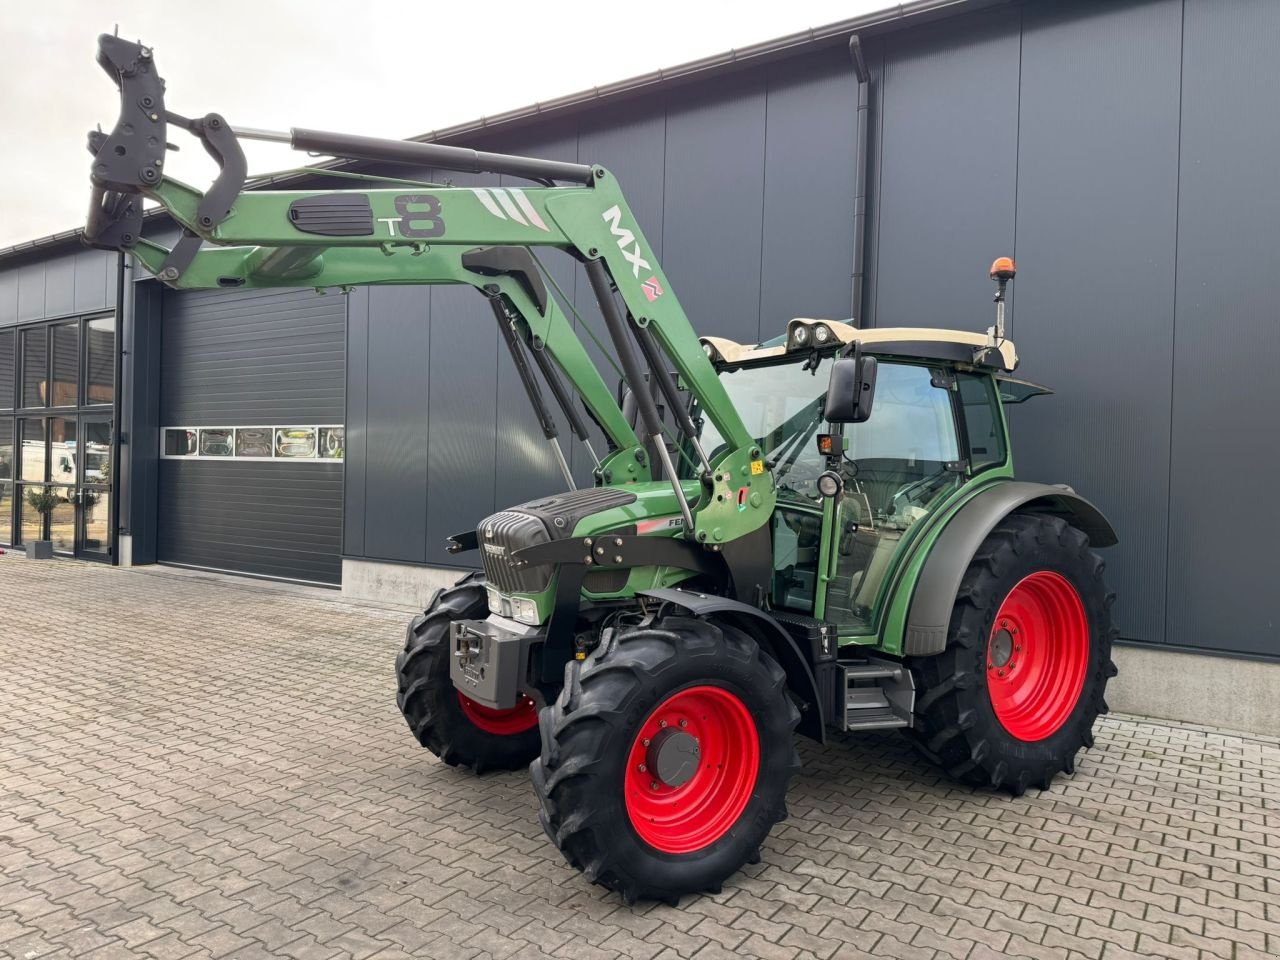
{"points": [[891, 18]]}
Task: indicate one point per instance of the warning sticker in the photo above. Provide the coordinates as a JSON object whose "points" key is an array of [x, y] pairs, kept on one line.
{"points": [[757, 467]]}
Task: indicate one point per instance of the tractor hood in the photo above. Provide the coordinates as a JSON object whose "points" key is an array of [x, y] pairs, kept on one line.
{"points": [[638, 508]]}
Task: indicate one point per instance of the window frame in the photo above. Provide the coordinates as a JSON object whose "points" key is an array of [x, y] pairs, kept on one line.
{"points": [[9, 484], [316, 429], [52, 327], [12, 407], [8, 404], [995, 405], [20, 364], [84, 398]]}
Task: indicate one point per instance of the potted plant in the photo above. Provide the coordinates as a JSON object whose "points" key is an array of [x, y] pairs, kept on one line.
{"points": [[42, 500]]}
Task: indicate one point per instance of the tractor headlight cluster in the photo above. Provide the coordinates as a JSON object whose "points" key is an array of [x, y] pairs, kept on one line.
{"points": [[516, 608], [710, 350], [524, 610], [810, 335]]}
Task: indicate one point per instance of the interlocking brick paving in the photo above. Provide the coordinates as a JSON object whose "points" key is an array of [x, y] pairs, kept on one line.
{"points": [[202, 767]]}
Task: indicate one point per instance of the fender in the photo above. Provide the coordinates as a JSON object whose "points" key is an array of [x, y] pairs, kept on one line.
{"points": [[929, 614], [767, 631]]}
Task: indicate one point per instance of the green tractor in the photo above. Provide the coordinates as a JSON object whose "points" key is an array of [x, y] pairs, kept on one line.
{"points": [[816, 534]]}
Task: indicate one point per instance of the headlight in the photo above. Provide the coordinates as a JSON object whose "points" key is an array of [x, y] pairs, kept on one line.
{"points": [[829, 484], [800, 335], [524, 610], [498, 603], [821, 334]]}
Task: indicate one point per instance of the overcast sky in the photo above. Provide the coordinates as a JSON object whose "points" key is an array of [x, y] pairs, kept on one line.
{"points": [[385, 69]]}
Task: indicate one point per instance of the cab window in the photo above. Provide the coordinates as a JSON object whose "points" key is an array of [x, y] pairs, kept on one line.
{"points": [[982, 421]]}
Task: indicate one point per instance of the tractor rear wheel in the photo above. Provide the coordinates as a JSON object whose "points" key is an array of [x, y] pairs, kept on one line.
{"points": [[666, 758], [455, 728], [1014, 696]]}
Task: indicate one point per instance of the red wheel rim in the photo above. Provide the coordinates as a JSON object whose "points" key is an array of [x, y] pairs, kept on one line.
{"points": [[1037, 655], [697, 812], [503, 723]]}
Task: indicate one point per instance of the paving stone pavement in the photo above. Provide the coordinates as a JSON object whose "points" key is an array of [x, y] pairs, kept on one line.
{"points": [[196, 767]]}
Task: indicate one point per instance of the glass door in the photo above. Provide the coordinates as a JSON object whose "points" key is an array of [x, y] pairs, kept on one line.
{"points": [[93, 491], [61, 475], [900, 466]]}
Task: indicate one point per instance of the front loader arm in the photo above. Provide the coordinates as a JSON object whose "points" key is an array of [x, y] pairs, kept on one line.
{"points": [[349, 266], [434, 234], [431, 224]]}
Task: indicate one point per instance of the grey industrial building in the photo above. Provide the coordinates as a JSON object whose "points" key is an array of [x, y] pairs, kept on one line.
{"points": [[1124, 152]]}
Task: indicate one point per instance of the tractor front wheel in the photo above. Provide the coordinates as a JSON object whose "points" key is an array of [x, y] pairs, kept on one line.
{"points": [[455, 728], [666, 758], [1014, 696]]}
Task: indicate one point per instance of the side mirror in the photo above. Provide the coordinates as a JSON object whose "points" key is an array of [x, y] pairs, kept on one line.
{"points": [[852, 389]]}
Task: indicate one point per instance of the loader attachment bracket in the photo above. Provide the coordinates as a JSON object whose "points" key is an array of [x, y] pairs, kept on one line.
{"points": [[130, 160], [131, 157]]}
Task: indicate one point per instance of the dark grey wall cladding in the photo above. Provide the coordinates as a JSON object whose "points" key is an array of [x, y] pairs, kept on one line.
{"points": [[1122, 151], [1223, 519], [388, 458], [713, 204], [81, 281], [273, 519], [946, 164], [252, 357], [257, 356], [1097, 215], [810, 140]]}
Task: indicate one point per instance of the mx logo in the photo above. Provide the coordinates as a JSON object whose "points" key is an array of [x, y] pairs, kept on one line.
{"points": [[628, 244]]}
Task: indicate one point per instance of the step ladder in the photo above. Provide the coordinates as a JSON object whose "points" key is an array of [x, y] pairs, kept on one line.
{"points": [[878, 695]]}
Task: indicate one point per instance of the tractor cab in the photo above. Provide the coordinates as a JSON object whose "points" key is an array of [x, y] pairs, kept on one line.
{"points": [[854, 497]]}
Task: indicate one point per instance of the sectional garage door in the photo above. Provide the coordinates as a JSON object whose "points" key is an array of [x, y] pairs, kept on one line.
{"points": [[251, 412]]}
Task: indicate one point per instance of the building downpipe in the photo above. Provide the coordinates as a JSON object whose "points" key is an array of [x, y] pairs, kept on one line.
{"points": [[860, 180], [117, 407]]}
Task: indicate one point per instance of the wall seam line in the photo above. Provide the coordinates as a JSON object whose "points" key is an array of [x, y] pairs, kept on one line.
{"points": [[764, 186], [1173, 335], [1017, 132]]}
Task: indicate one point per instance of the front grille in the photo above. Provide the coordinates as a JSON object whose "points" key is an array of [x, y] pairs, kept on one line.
{"points": [[538, 521], [500, 536]]}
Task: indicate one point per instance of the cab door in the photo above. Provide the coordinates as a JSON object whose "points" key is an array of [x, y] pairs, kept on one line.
{"points": [[900, 465]]}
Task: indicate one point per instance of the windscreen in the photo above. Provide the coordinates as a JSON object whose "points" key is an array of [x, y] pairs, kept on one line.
{"points": [[781, 405]]}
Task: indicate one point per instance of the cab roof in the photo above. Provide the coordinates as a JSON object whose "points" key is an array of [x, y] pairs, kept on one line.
{"points": [[960, 346]]}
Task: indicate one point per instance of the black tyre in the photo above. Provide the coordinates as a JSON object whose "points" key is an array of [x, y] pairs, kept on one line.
{"points": [[666, 758], [1014, 696], [456, 729]]}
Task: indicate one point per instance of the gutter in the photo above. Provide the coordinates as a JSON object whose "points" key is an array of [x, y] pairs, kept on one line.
{"points": [[117, 406], [860, 182]]}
